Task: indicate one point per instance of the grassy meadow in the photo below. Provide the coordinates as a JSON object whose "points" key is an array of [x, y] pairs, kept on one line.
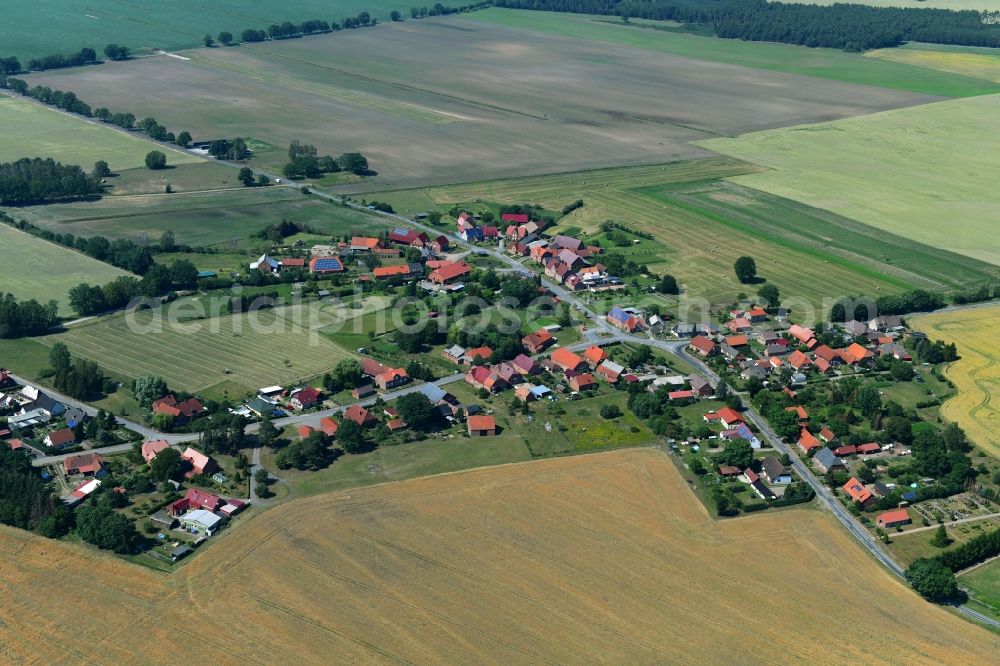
{"points": [[506, 563], [976, 374], [212, 217], [701, 223], [925, 173], [33, 268], [831, 64], [984, 585], [61, 26], [42, 131], [981, 63], [194, 354], [392, 93]]}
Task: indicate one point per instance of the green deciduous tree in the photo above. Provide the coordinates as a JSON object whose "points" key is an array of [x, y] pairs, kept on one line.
{"points": [[156, 160], [746, 269]]}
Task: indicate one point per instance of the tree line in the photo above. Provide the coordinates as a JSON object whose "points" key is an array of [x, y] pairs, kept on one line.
{"points": [[934, 577], [34, 180], [843, 26], [26, 318], [85, 56], [77, 378]]}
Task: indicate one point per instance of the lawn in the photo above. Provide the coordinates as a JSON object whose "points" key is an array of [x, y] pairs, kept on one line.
{"points": [[701, 223], [603, 557], [902, 171], [198, 218], [976, 374], [60, 26], [191, 356], [823, 63], [45, 132], [34, 268], [907, 547], [393, 94], [983, 584]]}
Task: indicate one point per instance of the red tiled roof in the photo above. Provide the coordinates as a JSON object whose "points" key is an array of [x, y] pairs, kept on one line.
{"points": [[481, 422], [857, 491], [566, 359]]}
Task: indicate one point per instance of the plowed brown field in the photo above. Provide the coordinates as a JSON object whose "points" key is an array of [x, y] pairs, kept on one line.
{"points": [[605, 557]]}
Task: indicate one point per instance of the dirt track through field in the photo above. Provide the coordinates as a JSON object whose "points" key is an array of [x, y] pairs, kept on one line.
{"points": [[605, 557]]}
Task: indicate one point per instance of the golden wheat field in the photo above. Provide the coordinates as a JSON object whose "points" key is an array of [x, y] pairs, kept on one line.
{"points": [[606, 557], [976, 374]]}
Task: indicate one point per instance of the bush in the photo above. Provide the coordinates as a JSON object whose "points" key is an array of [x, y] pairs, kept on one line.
{"points": [[610, 412], [156, 160]]}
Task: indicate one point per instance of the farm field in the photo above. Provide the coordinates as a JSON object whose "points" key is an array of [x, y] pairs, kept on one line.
{"points": [[280, 350], [393, 95], [701, 224], [492, 565], [61, 26], [45, 132], [976, 374], [830, 64], [874, 170], [24, 259], [981, 63], [196, 218]]}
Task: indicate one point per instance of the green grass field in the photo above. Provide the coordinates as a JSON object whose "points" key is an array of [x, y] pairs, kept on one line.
{"points": [[61, 26], [823, 63], [925, 173], [908, 547], [279, 350], [45, 132], [702, 223], [33, 268], [984, 586], [197, 218]]}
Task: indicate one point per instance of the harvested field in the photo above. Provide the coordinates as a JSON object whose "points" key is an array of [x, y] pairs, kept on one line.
{"points": [[605, 557], [24, 258], [976, 374], [925, 173], [191, 356], [426, 115], [59, 26], [702, 223], [196, 218], [45, 132]]}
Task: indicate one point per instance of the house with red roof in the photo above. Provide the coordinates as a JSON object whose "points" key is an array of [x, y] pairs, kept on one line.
{"points": [[894, 518], [756, 314], [736, 341], [200, 463], [803, 335], [857, 354], [60, 438], [151, 448], [582, 382], [292, 262], [371, 368], [869, 448], [739, 325], [594, 355], [364, 244], [477, 354], [800, 412], [682, 395], [450, 272], [304, 431], [359, 415], [703, 346], [847, 450], [565, 360], [727, 416], [403, 236], [481, 426], [514, 218], [526, 364], [610, 370], [538, 341], [195, 499], [306, 398], [858, 493], [181, 411], [328, 426], [391, 378], [808, 441], [88, 464], [799, 360], [827, 435]]}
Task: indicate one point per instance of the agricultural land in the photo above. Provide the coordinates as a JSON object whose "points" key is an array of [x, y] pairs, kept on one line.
{"points": [[33, 268], [420, 120], [981, 63], [873, 169], [976, 375], [45, 132], [611, 550], [59, 26]]}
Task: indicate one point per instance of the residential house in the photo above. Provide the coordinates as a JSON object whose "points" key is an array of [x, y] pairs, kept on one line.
{"points": [[869, 448], [201, 520], [371, 368], [477, 354], [756, 314], [729, 471], [322, 265], [74, 416], [60, 438], [263, 407], [306, 398], [827, 462], [742, 431], [827, 435], [808, 441], [524, 392], [538, 341], [33, 399], [328, 426], [510, 373], [181, 411], [440, 245], [360, 415], [857, 354], [624, 320], [88, 464], [727, 416], [799, 360], [802, 335], [894, 518], [582, 382], [703, 346], [854, 328], [739, 325], [151, 448], [481, 426], [266, 264], [526, 365], [884, 324], [565, 360], [800, 412], [362, 392], [398, 272], [454, 354], [391, 378], [200, 463], [775, 472], [364, 244], [194, 499], [292, 262], [858, 493], [610, 370], [304, 431], [737, 341], [450, 272]]}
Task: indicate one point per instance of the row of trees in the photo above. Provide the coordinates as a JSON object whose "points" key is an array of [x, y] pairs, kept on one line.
{"points": [[845, 26], [77, 378], [26, 318], [121, 253], [34, 180], [441, 10], [934, 578], [304, 162], [918, 300], [86, 299], [85, 56]]}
